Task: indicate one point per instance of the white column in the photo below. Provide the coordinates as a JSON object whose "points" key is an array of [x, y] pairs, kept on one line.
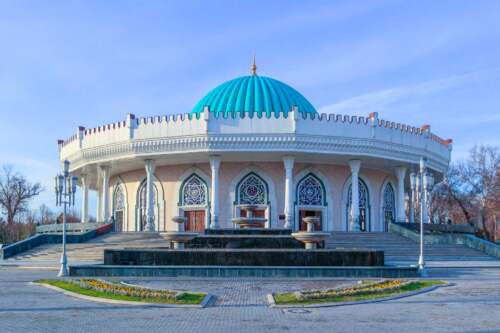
{"points": [[400, 175], [98, 215], [105, 192], [423, 194], [85, 198], [214, 197], [150, 211], [354, 218], [289, 189], [413, 178]]}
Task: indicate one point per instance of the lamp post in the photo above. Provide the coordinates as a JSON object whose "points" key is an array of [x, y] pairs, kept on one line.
{"points": [[65, 188], [423, 182]]}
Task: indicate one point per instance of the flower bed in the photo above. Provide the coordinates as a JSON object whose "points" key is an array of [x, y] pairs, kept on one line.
{"points": [[126, 290], [362, 291], [120, 291]]}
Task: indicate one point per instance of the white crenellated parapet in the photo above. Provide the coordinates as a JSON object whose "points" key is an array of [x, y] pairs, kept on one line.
{"points": [[294, 131]]}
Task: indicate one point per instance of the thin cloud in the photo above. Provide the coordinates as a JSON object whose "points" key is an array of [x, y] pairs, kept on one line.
{"points": [[384, 100]]}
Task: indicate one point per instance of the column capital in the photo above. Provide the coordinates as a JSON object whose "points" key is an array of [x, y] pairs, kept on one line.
{"points": [[355, 165], [149, 165], [104, 167], [422, 164], [400, 172], [104, 171], [83, 178], [214, 161], [288, 160]]}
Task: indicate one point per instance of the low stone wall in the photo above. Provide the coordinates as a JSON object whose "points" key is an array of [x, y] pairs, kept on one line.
{"points": [[468, 240], [39, 239], [244, 257], [70, 227], [439, 228], [239, 272]]}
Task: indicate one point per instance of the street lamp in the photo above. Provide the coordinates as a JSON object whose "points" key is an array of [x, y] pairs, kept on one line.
{"points": [[424, 182], [65, 188]]}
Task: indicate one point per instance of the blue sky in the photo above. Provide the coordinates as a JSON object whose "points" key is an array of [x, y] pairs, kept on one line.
{"points": [[70, 63]]}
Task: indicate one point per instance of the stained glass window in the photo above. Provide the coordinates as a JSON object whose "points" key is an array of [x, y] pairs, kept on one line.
{"points": [[119, 199], [252, 190], [194, 192], [388, 205], [310, 192]]}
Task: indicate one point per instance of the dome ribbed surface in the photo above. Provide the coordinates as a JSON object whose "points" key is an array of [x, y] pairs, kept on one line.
{"points": [[248, 94]]}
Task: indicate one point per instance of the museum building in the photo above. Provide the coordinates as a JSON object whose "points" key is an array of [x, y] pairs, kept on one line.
{"points": [[252, 140]]}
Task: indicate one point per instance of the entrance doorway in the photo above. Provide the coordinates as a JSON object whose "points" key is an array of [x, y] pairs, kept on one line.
{"points": [[195, 220], [305, 213], [256, 213]]}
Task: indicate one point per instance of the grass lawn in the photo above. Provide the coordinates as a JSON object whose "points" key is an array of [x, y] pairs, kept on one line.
{"points": [[289, 298], [187, 298]]}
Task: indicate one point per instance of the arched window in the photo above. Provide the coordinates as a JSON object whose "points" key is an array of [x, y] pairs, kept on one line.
{"points": [[252, 190], [142, 205], [119, 199], [310, 192], [388, 205], [118, 208], [194, 192], [364, 205], [311, 201]]}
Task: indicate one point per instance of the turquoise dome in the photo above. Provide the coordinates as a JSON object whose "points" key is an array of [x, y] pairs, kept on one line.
{"points": [[253, 93]]}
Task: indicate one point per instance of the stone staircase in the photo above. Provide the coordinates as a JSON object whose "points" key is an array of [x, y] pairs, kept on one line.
{"points": [[401, 250], [397, 249], [88, 252]]}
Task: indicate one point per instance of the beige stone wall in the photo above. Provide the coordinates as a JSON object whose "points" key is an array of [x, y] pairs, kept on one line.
{"points": [[336, 178]]}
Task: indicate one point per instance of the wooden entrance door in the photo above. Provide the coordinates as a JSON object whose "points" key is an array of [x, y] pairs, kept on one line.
{"points": [[256, 213], [304, 213], [118, 221], [195, 220]]}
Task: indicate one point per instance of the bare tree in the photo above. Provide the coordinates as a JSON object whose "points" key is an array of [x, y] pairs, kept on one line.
{"points": [[15, 193], [45, 215], [470, 191]]}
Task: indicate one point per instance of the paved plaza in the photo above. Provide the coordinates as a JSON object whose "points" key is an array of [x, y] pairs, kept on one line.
{"points": [[471, 305]]}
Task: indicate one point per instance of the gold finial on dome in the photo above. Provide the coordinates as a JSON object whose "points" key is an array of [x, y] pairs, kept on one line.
{"points": [[254, 66]]}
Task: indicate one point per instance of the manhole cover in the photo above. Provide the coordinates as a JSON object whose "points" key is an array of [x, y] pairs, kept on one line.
{"points": [[298, 311]]}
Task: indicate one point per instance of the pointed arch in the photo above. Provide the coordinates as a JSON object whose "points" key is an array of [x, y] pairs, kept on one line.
{"points": [[365, 202], [193, 189], [310, 191], [252, 190], [387, 204], [319, 197], [269, 206], [159, 205], [119, 205]]}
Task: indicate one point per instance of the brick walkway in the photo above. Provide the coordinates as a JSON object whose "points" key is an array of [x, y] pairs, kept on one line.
{"points": [[470, 306]]}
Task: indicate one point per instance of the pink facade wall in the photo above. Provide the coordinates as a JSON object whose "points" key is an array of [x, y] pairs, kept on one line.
{"points": [[335, 177]]}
